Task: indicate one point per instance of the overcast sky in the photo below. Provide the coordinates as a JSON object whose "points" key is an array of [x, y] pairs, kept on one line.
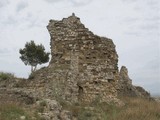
{"points": [[134, 26]]}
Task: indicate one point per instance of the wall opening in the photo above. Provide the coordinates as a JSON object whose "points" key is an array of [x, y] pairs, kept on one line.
{"points": [[110, 80], [80, 90]]}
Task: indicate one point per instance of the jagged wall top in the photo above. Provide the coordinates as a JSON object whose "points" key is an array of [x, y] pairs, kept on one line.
{"points": [[75, 36], [72, 22], [90, 60], [124, 75]]}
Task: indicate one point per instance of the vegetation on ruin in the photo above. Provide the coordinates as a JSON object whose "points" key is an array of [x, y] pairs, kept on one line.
{"points": [[134, 109], [33, 55], [6, 76]]}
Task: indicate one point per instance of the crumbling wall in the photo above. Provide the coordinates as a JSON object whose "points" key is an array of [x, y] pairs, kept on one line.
{"points": [[90, 60], [126, 88], [125, 84]]}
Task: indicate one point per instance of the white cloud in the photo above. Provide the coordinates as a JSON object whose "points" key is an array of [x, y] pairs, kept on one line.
{"points": [[80, 2], [4, 51], [3, 3], [53, 1], [73, 2], [21, 5]]}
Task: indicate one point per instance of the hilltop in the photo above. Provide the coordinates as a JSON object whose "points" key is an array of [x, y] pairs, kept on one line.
{"points": [[83, 72]]}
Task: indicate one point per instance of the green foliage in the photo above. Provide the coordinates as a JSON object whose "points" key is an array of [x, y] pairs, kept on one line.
{"points": [[12, 112], [33, 54], [6, 76]]}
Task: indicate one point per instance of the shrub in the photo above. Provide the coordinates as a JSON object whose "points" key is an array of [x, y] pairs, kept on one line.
{"points": [[6, 76]]}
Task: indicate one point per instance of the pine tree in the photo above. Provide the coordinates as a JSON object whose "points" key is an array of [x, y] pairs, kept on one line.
{"points": [[33, 55]]}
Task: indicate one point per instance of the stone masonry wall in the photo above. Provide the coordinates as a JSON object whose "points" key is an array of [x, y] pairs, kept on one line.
{"points": [[90, 60], [127, 89]]}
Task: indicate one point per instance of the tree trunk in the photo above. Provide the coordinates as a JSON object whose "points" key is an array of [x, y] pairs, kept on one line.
{"points": [[35, 67], [31, 69]]}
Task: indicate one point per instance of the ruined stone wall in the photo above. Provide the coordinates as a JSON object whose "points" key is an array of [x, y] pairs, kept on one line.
{"points": [[125, 84], [126, 88], [90, 60]]}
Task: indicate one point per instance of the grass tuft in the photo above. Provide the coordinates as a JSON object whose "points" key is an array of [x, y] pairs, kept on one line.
{"points": [[135, 109], [6, 76], [12, 112]]}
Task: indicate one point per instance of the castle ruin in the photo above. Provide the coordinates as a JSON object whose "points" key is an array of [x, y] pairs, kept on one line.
{"points": [[90, 61]]}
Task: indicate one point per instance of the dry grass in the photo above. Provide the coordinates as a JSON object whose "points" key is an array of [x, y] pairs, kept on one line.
{"points": [[13, 111], [135, 109], [139, 109]]}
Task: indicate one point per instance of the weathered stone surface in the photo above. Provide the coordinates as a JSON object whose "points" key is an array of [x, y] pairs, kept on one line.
{"points": [[90, 60], [66, 115], [125, 84], [83, 68], [143, 92], [52, 110], [123, 75], [49, 109], [127, 89]]}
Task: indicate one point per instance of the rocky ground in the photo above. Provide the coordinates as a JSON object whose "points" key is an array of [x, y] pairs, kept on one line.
{"points": [[19, 101], [82, 82]]}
